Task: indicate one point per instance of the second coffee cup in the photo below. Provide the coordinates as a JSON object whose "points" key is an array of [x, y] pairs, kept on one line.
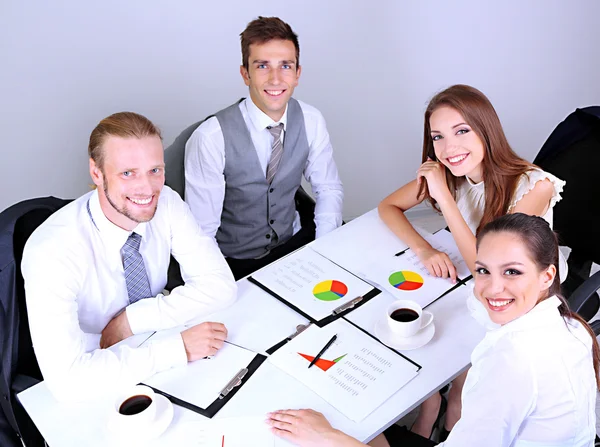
{"points": [[405, 318]]}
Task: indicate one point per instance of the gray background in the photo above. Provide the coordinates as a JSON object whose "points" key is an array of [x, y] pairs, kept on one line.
{"points": [[369, 66]]}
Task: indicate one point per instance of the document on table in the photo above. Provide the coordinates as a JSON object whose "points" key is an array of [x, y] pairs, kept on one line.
{"points": [[236, 432], [355, 375], [406, 277], [311, 283], [200, 382]]}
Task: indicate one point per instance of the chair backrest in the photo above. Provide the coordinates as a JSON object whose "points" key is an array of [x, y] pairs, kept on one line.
{"points": [[18, 358], [572, 153], [577, 216], [27, 363], [174, 160]]}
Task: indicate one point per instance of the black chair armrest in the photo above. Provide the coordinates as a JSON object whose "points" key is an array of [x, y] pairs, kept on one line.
{"points": [[583, 293], [596, 327]]}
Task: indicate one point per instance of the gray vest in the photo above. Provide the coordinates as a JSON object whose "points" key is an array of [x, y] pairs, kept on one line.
{"points": [[257, 216]]}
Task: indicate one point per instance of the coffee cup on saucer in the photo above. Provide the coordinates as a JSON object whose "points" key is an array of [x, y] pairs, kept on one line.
{"points": [[135, 409], [406, 318], [138, 414]]}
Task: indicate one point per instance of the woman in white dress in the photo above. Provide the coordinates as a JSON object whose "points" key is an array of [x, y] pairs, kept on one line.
{"points": [[471, 175], [534, 379]]}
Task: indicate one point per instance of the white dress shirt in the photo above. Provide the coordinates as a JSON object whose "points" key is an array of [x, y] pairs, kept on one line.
{"points": [[532, 383], [75, 285], [205, 164]]}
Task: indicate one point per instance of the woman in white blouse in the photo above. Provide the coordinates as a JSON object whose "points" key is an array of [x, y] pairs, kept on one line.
{"points": [[472, 176], [534, 379]]}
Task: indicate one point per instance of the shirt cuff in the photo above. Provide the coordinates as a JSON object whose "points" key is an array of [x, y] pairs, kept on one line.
{"points": [[169, 352]]}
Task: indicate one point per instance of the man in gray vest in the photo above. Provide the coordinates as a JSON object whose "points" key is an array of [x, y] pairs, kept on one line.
{"points": [[244, 165]]}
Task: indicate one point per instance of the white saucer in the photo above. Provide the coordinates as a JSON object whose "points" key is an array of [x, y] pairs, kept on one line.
{"points": [[164, 412], [387, 337]]}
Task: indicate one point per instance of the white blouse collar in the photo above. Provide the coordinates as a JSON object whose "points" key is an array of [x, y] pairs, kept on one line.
{"points": [[541, 315]]}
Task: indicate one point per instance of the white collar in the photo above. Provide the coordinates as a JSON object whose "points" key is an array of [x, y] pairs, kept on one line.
{"points": [[111, 234], [542, 314], [259, 119]]}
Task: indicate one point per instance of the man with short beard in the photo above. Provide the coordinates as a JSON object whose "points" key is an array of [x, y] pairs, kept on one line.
{"points": [[96, 269]]}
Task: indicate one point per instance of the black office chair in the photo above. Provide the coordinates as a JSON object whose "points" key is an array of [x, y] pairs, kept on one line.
{"points": [[19, 368], [572, 153]]}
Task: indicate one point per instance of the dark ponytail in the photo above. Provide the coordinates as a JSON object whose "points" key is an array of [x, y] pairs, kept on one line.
{"points": [[542, 244]]}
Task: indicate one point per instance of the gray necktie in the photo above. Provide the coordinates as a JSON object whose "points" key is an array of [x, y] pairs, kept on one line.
{"points": [[136, 279], [276, 151]]}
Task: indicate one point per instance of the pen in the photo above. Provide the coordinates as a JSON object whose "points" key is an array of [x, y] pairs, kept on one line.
{"points": [[329, 343]]}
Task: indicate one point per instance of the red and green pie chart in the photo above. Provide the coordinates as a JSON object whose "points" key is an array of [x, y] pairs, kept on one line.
{"points": [[330, 290], [406, 280]]}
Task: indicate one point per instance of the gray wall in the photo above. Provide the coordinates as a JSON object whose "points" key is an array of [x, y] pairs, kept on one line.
{"points": [[369, 66]]}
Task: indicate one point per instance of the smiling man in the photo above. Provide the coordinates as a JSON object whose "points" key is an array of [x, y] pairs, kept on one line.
{"points": [[244, 165], [96, 269]]}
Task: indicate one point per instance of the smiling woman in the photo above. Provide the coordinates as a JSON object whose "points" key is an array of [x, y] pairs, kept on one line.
{"points": [[534, 379], [472, 176]]}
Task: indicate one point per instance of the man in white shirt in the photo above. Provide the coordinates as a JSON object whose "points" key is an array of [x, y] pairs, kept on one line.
{"points": [[95, 271], [244, 165]]}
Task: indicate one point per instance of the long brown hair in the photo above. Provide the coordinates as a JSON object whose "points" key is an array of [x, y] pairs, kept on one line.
{"points": [[542, 244], [502, 167]]}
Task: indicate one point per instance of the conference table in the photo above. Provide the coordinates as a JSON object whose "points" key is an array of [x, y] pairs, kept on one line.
{"points": [[257, 321]]}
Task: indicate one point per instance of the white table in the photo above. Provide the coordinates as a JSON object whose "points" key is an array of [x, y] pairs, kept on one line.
{"points": [[257, 321]]}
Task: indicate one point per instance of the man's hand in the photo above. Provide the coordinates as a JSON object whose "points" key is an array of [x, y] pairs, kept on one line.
{"points": [[116, 330], [203, 340]]}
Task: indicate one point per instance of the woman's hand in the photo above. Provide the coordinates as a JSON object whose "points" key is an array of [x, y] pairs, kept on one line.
{"points": [[435, 174], [438, 263], [307, 428]]}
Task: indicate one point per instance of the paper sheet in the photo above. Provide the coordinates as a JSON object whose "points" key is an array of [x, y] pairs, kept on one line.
{"points": [[370, 238], [405, 277], [355, 375], [311, 282], [200, 382]]}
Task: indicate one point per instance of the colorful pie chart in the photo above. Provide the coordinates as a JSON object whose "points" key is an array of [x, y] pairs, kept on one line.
{"points": [[330, 290], [406, 280]]}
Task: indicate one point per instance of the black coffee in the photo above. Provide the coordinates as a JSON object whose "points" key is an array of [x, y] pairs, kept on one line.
{"points": [[135, 405], [404, 315]]}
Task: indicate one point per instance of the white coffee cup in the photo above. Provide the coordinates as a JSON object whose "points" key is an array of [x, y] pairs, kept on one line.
{"points": [[126, 402], [413, 318]]}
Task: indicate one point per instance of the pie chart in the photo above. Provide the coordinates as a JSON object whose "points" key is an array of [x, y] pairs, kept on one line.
{"points": [[406, 280], [330, 290]]}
